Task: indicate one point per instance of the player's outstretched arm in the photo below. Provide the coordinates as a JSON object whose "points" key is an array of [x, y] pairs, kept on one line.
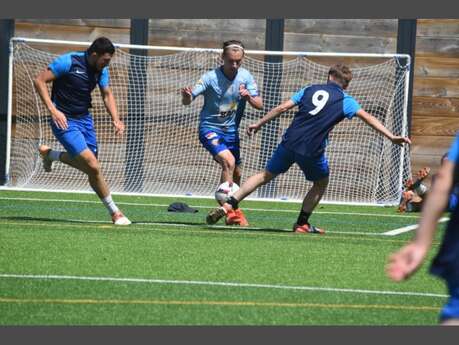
{"points": [[272, 114], [46, 76], [407, 260], [378, 126], [110, 105]]}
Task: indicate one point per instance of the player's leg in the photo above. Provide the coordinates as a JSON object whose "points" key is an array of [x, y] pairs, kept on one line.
{"points": [[310, 202], [279, 163], [214, 143], [252, 183], [237, 216], [449, 315], [316, 170], [80, 142], [227, 162]]}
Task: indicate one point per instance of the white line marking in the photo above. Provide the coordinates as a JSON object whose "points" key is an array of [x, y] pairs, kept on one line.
{"points": [[209, 207], [226, 284], [409, 228]]}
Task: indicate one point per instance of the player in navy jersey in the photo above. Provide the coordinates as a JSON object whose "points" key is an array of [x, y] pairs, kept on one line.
{"points": [[407, 260], [321, 107], [226, 91], [74, 76]]}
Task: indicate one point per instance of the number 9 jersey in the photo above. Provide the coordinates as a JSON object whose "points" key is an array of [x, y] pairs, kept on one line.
{"points": [[321, 107]]}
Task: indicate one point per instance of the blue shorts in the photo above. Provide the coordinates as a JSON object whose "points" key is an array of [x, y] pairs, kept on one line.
{"points": [[314, 168], [79, 136], [451, 308], [216, 142]]}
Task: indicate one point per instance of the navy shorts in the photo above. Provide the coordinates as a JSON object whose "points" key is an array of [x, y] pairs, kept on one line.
{"points": [[79, 136], [314, 168], [216, 142], [451, 308]]}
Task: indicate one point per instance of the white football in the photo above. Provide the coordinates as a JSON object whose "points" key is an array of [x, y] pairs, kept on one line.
{"points": [[224, 191]]}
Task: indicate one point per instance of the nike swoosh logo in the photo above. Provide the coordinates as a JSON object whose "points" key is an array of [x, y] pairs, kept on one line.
{"points": [[79, 72]]}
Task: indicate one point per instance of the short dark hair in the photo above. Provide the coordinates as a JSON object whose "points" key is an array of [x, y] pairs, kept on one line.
{"points": [[444, 157], [101, 46], [227, 44], [341, 73]]}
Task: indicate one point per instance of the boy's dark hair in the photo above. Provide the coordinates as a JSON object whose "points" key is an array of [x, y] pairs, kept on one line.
{"points": [[341, 73], [100, 46], [227, 44], [445, 156]]}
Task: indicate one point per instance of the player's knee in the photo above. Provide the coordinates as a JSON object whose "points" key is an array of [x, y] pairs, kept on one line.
{"points": [[229, 163], [93, 167], [266, 176], [321, 184]]}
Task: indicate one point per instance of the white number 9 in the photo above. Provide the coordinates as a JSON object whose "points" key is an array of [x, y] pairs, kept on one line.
{"points": [[319, 103]]}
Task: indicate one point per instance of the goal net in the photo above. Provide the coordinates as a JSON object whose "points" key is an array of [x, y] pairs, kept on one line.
{"points": [[160, 152]]}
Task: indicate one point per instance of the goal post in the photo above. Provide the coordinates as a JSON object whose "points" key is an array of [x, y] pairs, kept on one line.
{"points": [[366, 168]]}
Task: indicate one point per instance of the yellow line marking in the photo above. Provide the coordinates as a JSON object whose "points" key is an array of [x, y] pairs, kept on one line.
{"points": [[220, 303]]}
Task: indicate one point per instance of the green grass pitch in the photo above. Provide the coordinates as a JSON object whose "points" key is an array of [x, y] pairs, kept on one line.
{"points": [[63, 263]]}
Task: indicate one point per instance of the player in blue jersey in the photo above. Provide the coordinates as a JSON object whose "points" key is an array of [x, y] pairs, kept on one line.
{"points": [[321, 107], [226, 91], [74, 76], [407, 260]]}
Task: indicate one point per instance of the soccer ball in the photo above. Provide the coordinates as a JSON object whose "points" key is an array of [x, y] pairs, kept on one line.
{"points": [[224, 191]]}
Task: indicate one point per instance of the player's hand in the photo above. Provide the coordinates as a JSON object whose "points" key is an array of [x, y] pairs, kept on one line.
{"points": [[406, 261], [186, 92], [252, 129], [243, 92], [119, 127], [401, 140], [59, 119], [186, 95]]}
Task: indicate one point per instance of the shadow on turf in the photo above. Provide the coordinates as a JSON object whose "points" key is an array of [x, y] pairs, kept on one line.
{"points": [[203, 225], [43, 219], [57, 220]]}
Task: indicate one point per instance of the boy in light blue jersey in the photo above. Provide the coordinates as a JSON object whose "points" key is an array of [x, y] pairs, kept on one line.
{"points": [[74, 76], [321, 107], [445, 265], [226, 91]]}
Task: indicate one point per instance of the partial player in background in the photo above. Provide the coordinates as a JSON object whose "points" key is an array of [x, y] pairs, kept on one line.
{"points": [[414, 196], [74, 76], [321, 107], [414, 193], [407, 260], [226, 91]]}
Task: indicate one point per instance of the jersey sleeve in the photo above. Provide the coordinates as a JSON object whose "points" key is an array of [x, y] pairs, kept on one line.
{"points": [[60, 65], [200, 86], [104, 79], [453, 153], [296, 98], [350, 106], [251, 85]]}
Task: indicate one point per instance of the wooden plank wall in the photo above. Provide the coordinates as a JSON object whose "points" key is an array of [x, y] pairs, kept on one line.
{"points": [[436, 90], [436, 78]]}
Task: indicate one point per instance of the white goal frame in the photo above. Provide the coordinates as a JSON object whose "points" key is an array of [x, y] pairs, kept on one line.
{"points": [[405, 57]]}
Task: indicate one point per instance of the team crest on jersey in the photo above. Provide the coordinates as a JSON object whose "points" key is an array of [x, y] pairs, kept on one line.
{"points": [[211, 135]]}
